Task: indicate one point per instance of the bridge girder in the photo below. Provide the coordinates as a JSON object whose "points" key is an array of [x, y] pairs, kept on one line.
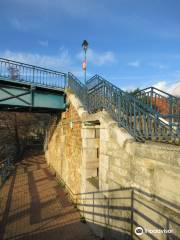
{"points": [[16, 96]]}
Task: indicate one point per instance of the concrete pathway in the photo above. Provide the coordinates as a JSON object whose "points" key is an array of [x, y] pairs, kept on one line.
{"points": [[34, 207]]}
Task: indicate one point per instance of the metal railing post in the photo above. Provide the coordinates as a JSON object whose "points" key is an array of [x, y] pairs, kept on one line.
{"points": [[134, 118], [132, 213], [93, 207], [33, 74], [151, 98], [171, 114], [108, 210], [167, 228]]}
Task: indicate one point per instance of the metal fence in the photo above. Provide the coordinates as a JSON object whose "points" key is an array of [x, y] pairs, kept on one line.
{"points": [[78, 88], [118, 212], [165, 104], [6, 166], [140, 120], [16, 71]]}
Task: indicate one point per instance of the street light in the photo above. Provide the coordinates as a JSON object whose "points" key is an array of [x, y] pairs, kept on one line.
{"points": [[85, 47]]}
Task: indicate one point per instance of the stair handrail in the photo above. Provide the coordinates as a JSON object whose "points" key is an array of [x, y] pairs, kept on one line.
{"points": [[135, 110], [140, 107], [154, 97], [157, 89]]}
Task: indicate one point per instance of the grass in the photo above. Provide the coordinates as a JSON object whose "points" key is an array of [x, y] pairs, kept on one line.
{"points": [[82, 219], [61, 184]]}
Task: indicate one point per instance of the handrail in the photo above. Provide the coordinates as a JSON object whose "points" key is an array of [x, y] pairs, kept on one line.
{"points": [[165, 104], [30, 65], [140, 120], [129, 100], [78, 88], [157, 89], [76, 79], [5, 168], [22, 72]]}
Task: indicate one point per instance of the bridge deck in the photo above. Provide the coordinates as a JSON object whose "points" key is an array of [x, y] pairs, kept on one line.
{"points": [[33, 206]]}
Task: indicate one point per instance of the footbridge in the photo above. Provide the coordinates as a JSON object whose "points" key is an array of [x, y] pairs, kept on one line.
{"points": [[25, 87], [102, 156]]}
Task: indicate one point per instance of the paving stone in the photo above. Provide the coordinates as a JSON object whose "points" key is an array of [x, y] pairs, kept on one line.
{"points": [[34, 207]]}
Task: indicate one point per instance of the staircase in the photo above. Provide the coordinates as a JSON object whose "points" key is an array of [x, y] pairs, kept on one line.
{"points": [[137, 114], [165, 104]]}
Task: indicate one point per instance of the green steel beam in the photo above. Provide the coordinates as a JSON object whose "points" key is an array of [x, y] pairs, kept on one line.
{"points": [[21, 96]]}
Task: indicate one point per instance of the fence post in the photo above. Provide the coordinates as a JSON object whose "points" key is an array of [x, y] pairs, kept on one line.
{"points": [[33, 74], [86, 100], [66, 81], [83, 206], [108, 211], [132, 212], [171, 115], [93, 207], [152, 98], [3, 174], [167, 228], [134, 118]]}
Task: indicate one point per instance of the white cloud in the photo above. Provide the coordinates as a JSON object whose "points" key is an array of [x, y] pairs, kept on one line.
{"points": [[43, 43], [172, 88], [134, 64], [60, 62], [97, 58]]}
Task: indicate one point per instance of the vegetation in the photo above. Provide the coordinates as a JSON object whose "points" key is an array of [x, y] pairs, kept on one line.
{"points": [[134, 92], [15, 128], [61, 184], [82, 219]]}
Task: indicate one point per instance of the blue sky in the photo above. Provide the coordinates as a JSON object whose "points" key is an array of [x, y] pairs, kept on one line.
{"points": [[132, 43]]}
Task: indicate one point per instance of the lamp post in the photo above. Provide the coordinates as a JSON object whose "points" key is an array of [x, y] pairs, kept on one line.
{"points": [[85, 47]]}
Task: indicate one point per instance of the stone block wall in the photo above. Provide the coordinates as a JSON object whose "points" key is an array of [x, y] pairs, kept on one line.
{"points": [[151, 169], [64, 148], [151, 172]]}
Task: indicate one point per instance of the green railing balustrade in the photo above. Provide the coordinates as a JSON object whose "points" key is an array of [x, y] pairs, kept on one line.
{"points": [[140, 115], [140, 120], [165, 104], [6, 166], [17, 71]]}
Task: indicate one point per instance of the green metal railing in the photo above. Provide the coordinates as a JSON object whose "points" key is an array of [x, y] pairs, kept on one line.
{"points": [[6, 166], [78, 88], [165, 104], [140, 120], [138, 114], [26, 73]]}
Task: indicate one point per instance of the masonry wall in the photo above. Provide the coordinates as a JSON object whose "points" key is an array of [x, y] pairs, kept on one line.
{"points": [[63, 148], [150, 171]]}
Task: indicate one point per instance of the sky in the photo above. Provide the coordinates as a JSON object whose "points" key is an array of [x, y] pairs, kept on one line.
{"points": [[132, 43]]}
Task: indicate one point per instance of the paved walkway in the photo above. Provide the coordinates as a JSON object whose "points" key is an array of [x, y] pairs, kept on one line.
{"points": [[34, 207]]}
